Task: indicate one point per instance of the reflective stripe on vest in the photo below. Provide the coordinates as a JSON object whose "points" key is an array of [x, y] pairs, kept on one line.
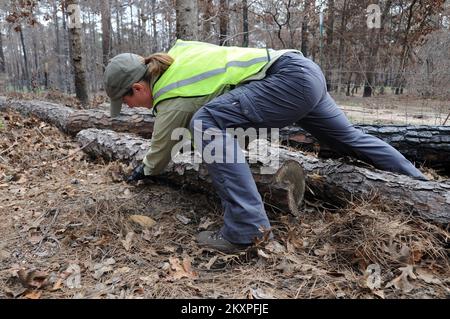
{"points": [[195, 62]]}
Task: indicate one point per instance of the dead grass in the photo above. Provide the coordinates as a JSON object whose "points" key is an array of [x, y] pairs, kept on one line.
{"points": [[64, 216]]}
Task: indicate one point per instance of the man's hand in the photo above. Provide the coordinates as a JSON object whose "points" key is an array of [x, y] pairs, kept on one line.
{"points": [[138, 174]]}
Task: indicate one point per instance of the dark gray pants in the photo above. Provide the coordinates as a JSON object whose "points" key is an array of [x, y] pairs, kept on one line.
{"points": [[294, 90]]}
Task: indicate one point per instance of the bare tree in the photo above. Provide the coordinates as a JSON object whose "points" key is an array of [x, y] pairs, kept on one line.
{"points": [[245, 40], [307, 5], [187, 19], [2, 55], [72, 10], [223, 21], [106, 30]]}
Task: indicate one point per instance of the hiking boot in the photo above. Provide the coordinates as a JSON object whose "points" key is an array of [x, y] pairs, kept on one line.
{"points": [[214, 240]]}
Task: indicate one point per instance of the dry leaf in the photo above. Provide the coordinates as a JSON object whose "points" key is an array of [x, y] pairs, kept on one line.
{"points": [[275, 247], [57, 285], [405, 253], [22, 180], [101, 268], [35, 237], [325, 251], [401, 282], [143, 221], [128, 242], [187, 265], [262, 254], [180, 270], [183, 219], [4, 254], [32, 279], [150, 279], [428, 277], [211, 262], [205, 222], [259, 294], [74, 276], [169, 249], [35, 294], [122, 270], [379, 293]]}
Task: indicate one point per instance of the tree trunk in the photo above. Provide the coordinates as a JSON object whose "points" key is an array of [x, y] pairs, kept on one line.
{"points": [[207, 8], [68, 52], [374, 43], [118, 27], [106, 31], [308, 4], [333, 181], [155, 32], [2, 55], [427, 145], [329, 44], [187, 19], [77, 60], [342, 38], [283, 189], [245, 40], [223, 21], [138, 121], [25, 59], [58, 47]]}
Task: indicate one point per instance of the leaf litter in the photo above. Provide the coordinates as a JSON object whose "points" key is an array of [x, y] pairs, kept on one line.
{"points": [[322, 254]]}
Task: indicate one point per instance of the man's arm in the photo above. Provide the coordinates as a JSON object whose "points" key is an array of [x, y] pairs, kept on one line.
{"points": [[159, 154]]}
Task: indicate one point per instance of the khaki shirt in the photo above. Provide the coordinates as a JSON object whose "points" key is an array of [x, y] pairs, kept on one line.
{"points": [[178, 112]]}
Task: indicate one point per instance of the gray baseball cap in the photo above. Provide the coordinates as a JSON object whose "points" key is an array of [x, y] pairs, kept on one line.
{"points": [[121, 73]]}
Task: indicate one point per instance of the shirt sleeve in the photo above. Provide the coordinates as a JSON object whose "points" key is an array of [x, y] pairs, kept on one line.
{"points": [[159, 154]]}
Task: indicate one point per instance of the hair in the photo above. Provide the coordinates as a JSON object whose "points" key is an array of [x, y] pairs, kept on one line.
{"points": [[157, 64]]}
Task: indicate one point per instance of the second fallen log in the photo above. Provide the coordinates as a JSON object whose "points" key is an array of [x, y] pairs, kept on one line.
{"points": [[282, 188], [332, 181]]}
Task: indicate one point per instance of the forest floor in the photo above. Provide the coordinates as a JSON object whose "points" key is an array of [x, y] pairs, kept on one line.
{"points": [[391, 109], [67, 231]]}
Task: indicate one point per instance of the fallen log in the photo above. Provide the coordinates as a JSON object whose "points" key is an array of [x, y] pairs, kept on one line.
{"points": [[138, 120], [333, 181], [282, 188], [426, 145], [330, 180]]}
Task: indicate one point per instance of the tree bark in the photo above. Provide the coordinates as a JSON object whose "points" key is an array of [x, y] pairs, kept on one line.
{"points": [[333, 181], [223, 21], [25, 59], [282, 190], [329, 44], [57, 46], [308, 4], [118, 26], [2, 55], [245, 39], [427, 145], [187, 19], [138, 121], [155, 32], [77, 60], [106, 31]]}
